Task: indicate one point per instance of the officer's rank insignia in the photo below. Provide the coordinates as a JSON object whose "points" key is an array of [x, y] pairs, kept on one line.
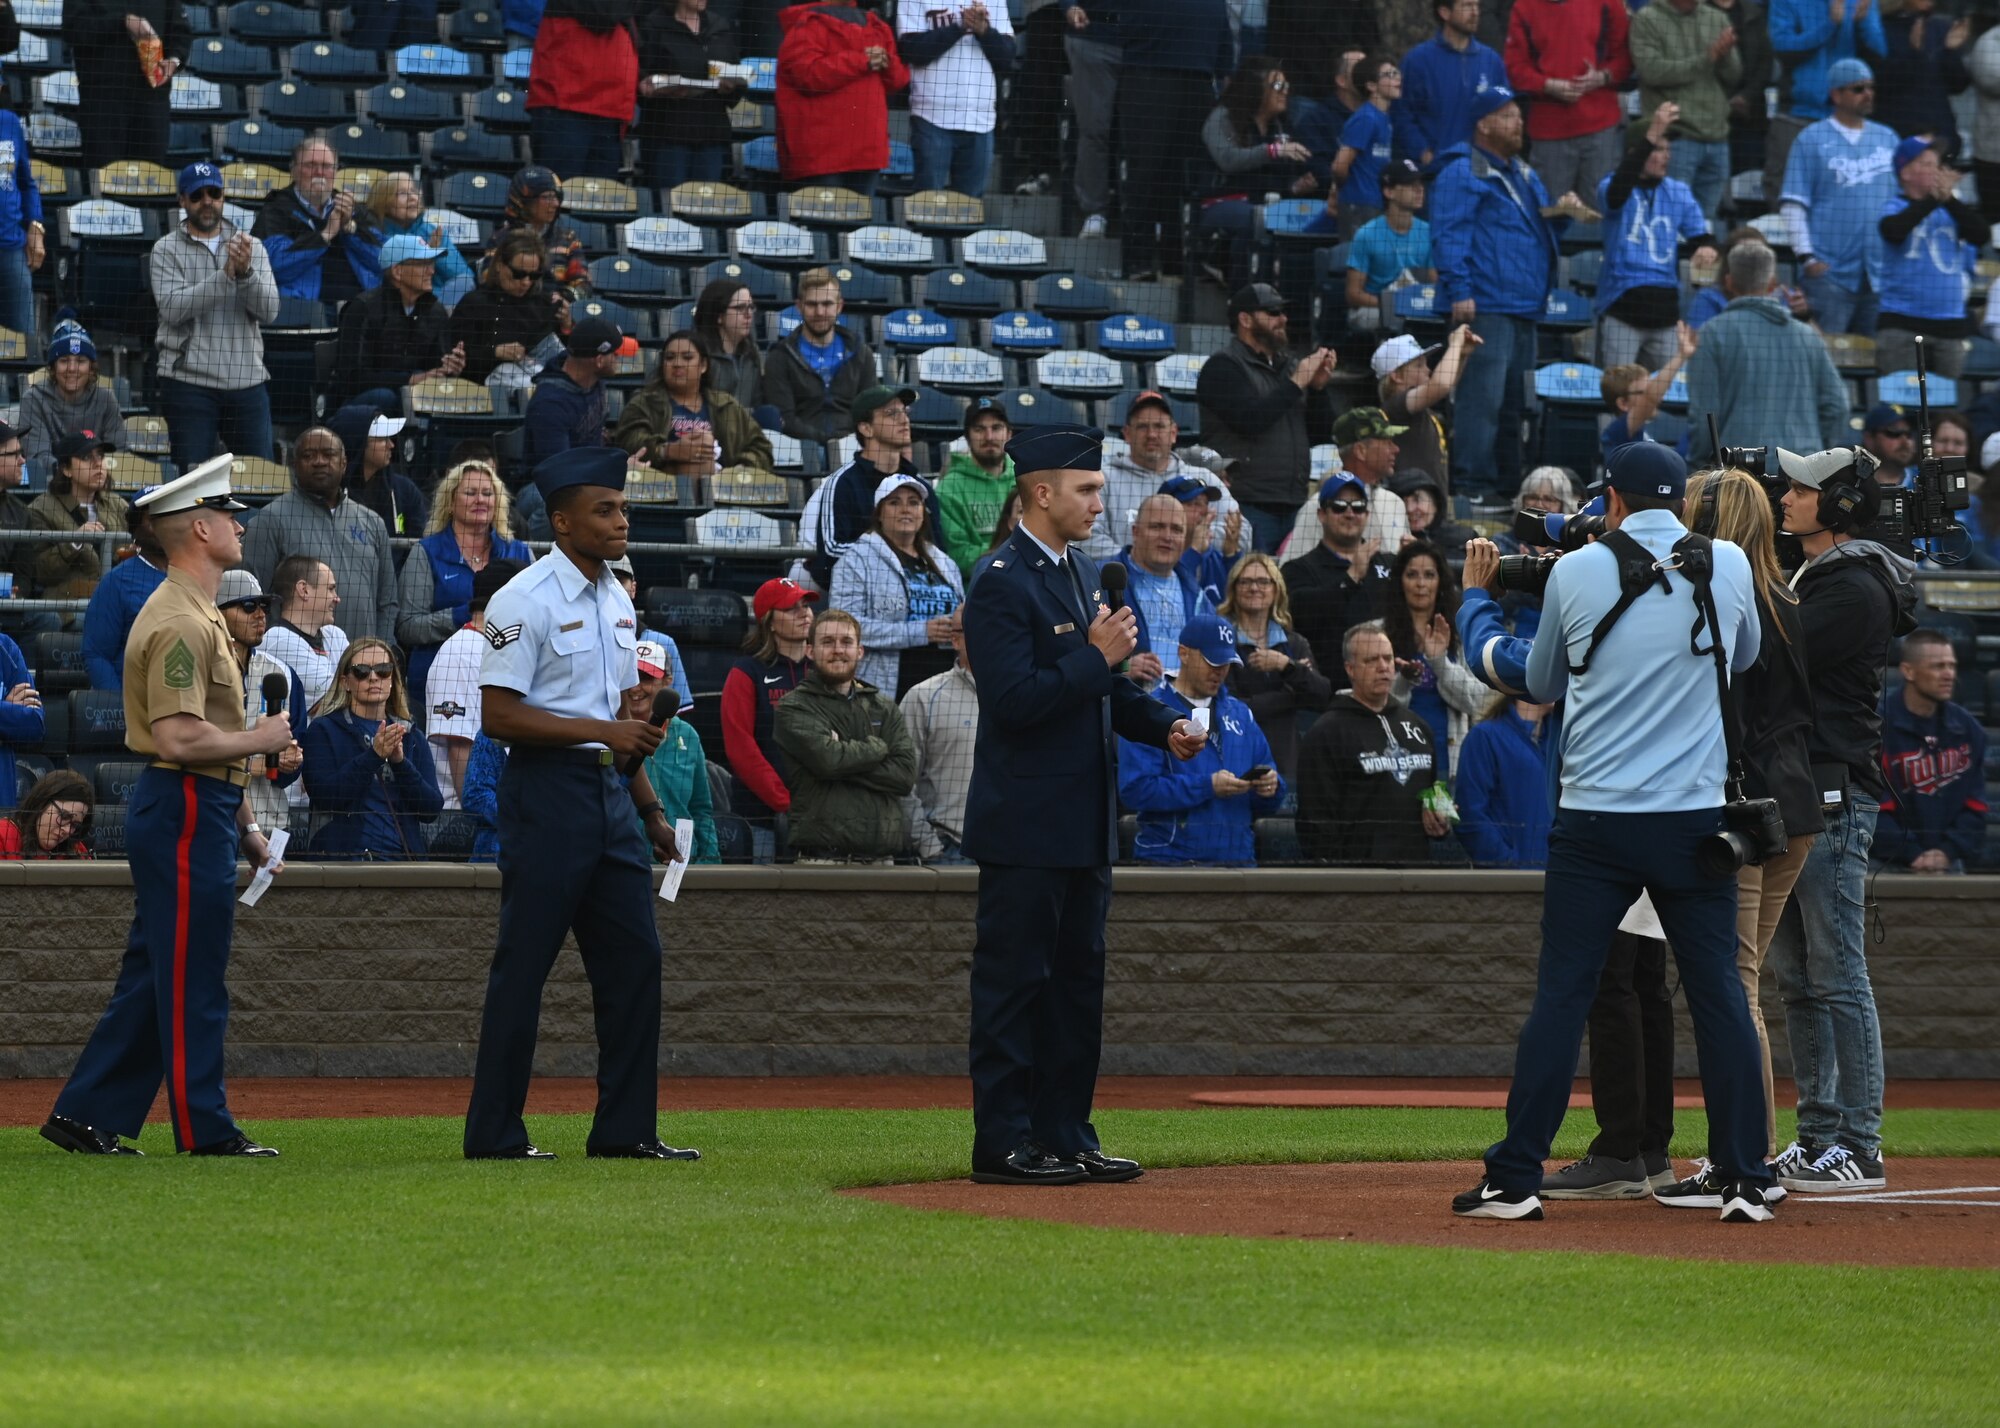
{"points": [[501, 636], [177, 670]]}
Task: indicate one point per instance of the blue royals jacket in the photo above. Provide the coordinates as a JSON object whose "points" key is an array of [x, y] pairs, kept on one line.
{"points": [[1501, 662], [1488, 237], [1045, 764], [1180, 818], [363, 805], [20, 725]]}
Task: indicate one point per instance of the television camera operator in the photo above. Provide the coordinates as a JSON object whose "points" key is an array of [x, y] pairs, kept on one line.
{"points": [[1855, 596], [1638, 634]]}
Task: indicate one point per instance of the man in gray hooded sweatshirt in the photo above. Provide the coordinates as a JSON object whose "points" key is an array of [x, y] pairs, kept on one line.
{"points": [[1767, 378]]}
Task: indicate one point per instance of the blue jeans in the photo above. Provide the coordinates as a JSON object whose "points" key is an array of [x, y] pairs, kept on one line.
{"points": [[1837, 309], [671, 165], [1822, 971], [861, 181], [950, 158], [1269, 525], [1486, 442], [196, 416], [1598, 865], [1703, 167], [575, 145], [17, 293]]}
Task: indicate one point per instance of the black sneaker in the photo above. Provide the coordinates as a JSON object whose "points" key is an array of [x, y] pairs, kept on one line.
{"points": [[1744, 1204], [1702, 1190], [1487, 1201], [1597, 1177], [1838, 1168]]}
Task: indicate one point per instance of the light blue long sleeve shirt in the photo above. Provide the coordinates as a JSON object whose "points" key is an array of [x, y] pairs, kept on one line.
{"points": [[1642, 731]]}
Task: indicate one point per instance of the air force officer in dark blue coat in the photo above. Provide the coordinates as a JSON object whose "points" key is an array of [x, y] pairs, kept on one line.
{"points": [[1042, 816]]}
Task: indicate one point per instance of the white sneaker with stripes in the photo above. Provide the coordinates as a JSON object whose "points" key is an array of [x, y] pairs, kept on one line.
{"points": [[1837, 1168]]}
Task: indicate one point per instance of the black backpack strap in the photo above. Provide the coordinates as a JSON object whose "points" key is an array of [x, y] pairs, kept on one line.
{"points": [[1695, 558], [1637, 573]]}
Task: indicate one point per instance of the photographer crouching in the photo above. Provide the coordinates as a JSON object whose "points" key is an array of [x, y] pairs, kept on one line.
{"points": [[1638, 634], [1855, 596]]}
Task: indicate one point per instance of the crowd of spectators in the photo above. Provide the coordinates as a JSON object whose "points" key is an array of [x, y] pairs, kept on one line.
{"points": [[1750, 184]]}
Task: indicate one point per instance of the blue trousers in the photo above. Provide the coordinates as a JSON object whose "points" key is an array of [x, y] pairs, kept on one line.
{"points": [[198, 416], [1486, 442], [956, 159], [1703, 165], [1598, 865], [169, 1009], [17, 292], [575, 145], [671, 165], [571, 858], [1037, 1007], [1838, 309]]}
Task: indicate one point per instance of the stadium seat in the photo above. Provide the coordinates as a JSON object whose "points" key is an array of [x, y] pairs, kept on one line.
{"points": [[631, 321], [768, 289], [1004, 250], [59, 666], [881, 246], [252, 183], [1901, 388], [261, 22], [1036, 406], [54, 135], [135, 181], [1069, 297], [130, 471], [40, 15], [37, 54], [256, 141], [748, 120], [147, 436], [774, 241], [365, 142], [899, 174], [763, 73], [748, 486], [759, 159], [304, 106], [1089, 376], [503, 109], [1566, 311], [96, 721], [961, 369], [941, 211], [476, 27], [713, 202], [865, 290], [231, 61], [1130, 337], [1571, 402], [480, 194], [666, 238], [473, 146], [515, 64], [1585, 268], [601, 199], [107, 249], [107, 831], [934, 416], [827, 207], [30, 768], [1416, 303], [965, 294], [116, 778], [1022, 333], [448, 837], [440, 64], [254, 476], [398, 104], [738, 530], [325, 62], [636, 282], [1746, 194], [1178, 374], [1277, 841], [1777, 231], [915, 329], [1982, 360]]}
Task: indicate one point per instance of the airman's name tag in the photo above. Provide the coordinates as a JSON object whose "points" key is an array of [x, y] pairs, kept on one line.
{"points": [[1066, 627]]}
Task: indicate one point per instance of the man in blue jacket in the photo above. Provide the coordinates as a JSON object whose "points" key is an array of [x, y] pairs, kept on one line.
{"points": [[1496, 261], [1933, 818], [1162, 585], [117, 600], [322, 240], [1445, 80], [1809, 37], [20, 714], [1200, 810]]}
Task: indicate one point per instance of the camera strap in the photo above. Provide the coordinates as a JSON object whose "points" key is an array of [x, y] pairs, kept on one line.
{"points": [[1638, 572]]}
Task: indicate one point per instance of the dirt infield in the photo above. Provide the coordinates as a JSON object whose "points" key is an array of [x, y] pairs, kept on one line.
{"points": [[27, 1102], [1938, 1213]]}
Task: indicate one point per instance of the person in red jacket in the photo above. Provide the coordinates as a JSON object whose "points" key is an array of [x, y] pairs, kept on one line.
{"points": [[1567, 58], [837, 67], [772, 669], [583, 85]]}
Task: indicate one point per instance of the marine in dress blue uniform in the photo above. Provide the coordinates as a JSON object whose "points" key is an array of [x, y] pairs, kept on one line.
{"points": [[563, 649], [186, 820], [1041, 818]]}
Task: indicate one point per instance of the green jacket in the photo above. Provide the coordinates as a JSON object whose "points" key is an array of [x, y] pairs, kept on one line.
{"points": [[648, 417], [851, 762], [1670, 54], [969, 502], [678, 771]]}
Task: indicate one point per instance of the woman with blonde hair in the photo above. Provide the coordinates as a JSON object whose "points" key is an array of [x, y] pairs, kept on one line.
{"points": [[1278, 679], [368, 772], [1774, 709], [398, 205], [468, 528]]}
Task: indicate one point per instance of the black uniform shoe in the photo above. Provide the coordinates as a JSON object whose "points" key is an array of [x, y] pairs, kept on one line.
{"points": [[83, 1139], [519, 1152], [237, 1145], [1107, 1169], [644, 1150], [1029, 1164]]}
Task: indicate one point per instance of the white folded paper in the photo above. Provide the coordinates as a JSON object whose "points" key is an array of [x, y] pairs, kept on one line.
{"points": [[670, 885], [262, 880]]}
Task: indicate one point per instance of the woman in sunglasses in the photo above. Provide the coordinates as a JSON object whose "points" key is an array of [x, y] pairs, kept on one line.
{"points": [[53, 821], [368, 772], [512, 311]]}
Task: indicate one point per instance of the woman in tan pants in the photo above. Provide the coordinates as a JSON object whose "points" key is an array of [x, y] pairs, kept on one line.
{"points": [[1774, 706]]}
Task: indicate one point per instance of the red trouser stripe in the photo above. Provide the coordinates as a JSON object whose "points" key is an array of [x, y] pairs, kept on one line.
{"points": [[183, 847]]}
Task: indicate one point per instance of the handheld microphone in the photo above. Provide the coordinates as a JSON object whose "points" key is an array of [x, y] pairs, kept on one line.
{"points": [[666, 704], [1113, 576], [277, 689]]}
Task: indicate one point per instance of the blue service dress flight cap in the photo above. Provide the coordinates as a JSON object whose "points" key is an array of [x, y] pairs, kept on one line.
{"points": [[1646, 468], [1061, 446], [581, 466]]}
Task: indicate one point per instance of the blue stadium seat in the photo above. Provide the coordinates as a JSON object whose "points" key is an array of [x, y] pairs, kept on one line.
{"points": [[193, 97], [1901, 388], [1570, 382], [107, 831], [1130, 337], [515, 64], [1020, 332], [673, 238], [97, 721], [1417, 303], [480, 194], [366, 143], [774, 241], [636, 282], [1069, 297], [398, 104], [257, 141], [472, 146], [760, 157], [302, 105], [1186, 414], [863, 289], [1585, 269], [502, 108], [1288, 217], [1036, 406], [881, 246], [631, 321], [912, 329], [263, 22], [763, 72], [935, 415], [767, 288], [231, 61], [1566, 310], [440, 64], [477, 27], [1982, 360], [59, 666], [965, 294], [329, 63], [116, 778]]}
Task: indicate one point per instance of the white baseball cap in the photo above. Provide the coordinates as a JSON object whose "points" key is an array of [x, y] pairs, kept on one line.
{"points": [[1398, 351], [386, 426], [890, 485]]}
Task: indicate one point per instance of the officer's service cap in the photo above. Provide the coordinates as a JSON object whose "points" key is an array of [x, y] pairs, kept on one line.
{"points": [[1211, 637], [204, 488], [1062, 446], [581, 466]]}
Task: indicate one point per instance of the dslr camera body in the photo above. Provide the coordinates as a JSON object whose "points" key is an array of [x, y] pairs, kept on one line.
{"points": [[1529, 574], [1753, 830]]}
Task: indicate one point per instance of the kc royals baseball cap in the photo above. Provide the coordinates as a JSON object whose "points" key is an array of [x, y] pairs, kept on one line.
{"points": [[199, 175], [1211, 637], [1489, 100]]}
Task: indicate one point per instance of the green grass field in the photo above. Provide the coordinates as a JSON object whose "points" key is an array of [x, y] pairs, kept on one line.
{"points": [[371, 1276]]}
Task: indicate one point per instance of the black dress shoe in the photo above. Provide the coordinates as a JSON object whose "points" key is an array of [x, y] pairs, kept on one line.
{"points": [[1029, 1164], [238, 1144], [1107, 1169], [518, 1152], [84, 1140], [644, 1150]]}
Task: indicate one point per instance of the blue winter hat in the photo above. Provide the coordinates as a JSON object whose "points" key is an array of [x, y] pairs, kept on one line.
{"points": [[581, 466], [72, 341], [1841, 73], [1062, 446], [1211, 637]]}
